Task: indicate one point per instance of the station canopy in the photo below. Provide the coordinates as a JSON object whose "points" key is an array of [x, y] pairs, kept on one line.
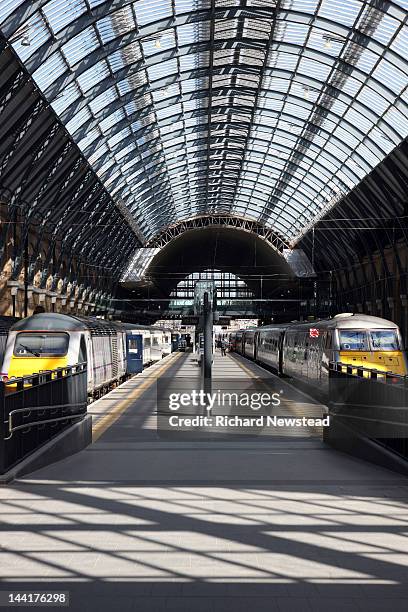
{"points": [[261, 109]]}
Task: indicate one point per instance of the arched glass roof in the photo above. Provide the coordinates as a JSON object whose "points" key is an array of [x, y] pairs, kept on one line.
{"points": [[266, 109]]}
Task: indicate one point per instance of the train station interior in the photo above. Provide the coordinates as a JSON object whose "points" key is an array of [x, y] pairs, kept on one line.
{"points": [[204, 305]]}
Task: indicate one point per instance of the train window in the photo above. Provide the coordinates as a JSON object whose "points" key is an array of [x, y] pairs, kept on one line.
{"points": [[353, 340], [146, 341], [41, 345], [384, 340], [132, 344], [82, 350]]}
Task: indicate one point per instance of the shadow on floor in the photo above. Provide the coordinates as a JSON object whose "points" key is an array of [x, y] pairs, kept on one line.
{"points": [[298, 547]]}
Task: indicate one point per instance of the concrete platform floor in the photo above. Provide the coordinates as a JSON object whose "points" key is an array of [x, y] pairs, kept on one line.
{"points": [[136, 523]]}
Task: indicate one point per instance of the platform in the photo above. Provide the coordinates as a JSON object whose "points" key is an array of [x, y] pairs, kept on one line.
{"points": [[135, 522]]}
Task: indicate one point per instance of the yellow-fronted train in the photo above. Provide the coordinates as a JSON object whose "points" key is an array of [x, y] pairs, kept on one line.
{"points": [[112, 350], [304, 351]]}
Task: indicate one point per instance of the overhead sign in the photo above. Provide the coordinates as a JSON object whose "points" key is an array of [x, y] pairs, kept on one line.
{"points": [[189, 321], [313, 332]]}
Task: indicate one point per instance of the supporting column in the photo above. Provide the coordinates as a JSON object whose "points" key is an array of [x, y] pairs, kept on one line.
{"points": [[391, 306], [26, 275], [208, 341], [404, 318]]}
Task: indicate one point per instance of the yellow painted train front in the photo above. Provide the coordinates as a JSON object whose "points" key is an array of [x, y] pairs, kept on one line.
{"points": [[36, 352], [378, 349]]}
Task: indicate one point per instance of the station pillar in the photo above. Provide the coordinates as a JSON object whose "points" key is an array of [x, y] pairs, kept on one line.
{"points": [[204, 299], [206, 366]]}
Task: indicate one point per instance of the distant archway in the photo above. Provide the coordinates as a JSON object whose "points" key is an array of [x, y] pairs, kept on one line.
{"points": [[228, 249]]}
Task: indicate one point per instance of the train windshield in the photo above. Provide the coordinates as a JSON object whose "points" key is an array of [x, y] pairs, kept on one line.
{"points": [[353, 340], [384, 340], [41, 345]]}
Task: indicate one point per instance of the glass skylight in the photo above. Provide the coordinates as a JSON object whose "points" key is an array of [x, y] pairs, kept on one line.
{"points": [[271, 115]]}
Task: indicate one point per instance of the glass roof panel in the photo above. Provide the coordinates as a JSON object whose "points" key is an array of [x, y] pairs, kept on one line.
{"points": [[49, 71], [80, 46], [7, 7], [58, 16], [148, 11], [116, 24], [267, 114], [31, 36]]}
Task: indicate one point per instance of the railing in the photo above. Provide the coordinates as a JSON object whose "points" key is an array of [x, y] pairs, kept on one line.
{"points": [[373, 403], [370, 373], [34, 409]]}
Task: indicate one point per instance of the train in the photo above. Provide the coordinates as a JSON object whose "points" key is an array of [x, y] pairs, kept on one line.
{"points": [[113, 351], [304, 351], [5, 324]]}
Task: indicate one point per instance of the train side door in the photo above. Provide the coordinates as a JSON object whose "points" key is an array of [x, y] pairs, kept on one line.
{"points": [[82, 350], [89, 359], [315, 342], [134, 353], [281, 339]]}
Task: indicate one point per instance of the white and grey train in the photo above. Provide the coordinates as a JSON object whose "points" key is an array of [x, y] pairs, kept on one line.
{"points": [[112, 350], [5, 324], [304, 351]]}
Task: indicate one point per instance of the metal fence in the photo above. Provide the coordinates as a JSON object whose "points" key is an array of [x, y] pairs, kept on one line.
{"points": [[372, 403], [34, 409]]}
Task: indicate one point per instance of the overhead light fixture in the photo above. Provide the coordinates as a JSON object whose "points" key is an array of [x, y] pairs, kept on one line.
{"points": [[328, 43], [157, 43], [25, 41]]}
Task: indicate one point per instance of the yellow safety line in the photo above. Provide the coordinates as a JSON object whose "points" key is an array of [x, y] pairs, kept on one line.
{"points": [[296, 411], [108, 420], [247, 370]]}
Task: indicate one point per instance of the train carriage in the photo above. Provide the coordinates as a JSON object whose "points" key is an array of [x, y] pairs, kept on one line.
{"points": [[304, 351], [156, 348], [236, 341], [5, 324], [269, 344], [175, 341], [166, 342], [138, 351], [113, 350], [351, 339], [48, 341], [249, 343]]}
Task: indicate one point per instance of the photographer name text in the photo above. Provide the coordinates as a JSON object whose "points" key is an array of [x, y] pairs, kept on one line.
{"points": [[246, 422]]}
